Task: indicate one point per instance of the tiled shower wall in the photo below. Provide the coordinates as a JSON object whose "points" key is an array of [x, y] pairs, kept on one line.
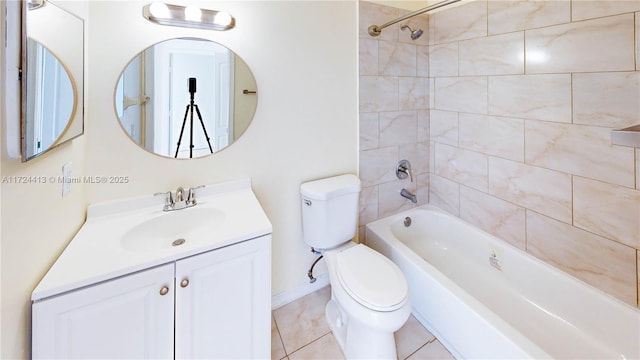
{"points": [[394, 115], [522, 98], [524, 95]]}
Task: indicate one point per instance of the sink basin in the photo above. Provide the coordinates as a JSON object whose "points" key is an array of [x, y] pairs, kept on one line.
{"points": [[173, 229]]}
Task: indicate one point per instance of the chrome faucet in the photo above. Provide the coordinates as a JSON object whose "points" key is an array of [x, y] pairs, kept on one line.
{"points": [[177, 201], [405, 193]]}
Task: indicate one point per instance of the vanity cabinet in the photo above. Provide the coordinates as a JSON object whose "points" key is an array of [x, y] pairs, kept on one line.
{"points": [[211, 305]]}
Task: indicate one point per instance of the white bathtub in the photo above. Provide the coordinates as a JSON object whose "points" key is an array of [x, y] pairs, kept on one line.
{"points": [[510, 305]]}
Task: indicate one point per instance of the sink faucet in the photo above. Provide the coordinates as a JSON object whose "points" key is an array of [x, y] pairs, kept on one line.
{"points": [[405, 193], [178, 201]]}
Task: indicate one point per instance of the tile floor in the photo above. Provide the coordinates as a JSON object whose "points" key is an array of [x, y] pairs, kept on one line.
{"points": [[299, 331]]}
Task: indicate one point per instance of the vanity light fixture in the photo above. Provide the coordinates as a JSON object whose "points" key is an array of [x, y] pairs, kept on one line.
{"points": [[188, 16]]}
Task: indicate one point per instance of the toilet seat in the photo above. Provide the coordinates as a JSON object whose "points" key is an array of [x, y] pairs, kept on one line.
{"points": [[371, 279]]}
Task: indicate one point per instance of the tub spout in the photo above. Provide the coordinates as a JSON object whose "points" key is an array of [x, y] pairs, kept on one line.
{"points": [[405, 193]]}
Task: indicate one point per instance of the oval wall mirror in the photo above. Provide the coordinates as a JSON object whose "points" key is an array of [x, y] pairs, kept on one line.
{"points": [[185, 98]]}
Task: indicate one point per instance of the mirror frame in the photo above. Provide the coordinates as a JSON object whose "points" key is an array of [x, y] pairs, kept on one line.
{"points": [[77, 83]]}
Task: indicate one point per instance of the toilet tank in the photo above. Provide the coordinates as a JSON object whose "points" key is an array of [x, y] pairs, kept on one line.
{"points": [[330, 210]]}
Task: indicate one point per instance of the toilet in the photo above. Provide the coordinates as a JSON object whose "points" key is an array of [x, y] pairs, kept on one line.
{"points": [[369, 294]]}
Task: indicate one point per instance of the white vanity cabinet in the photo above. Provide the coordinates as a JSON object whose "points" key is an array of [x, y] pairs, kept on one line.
{"points": [[121, 318], [212, 305]]}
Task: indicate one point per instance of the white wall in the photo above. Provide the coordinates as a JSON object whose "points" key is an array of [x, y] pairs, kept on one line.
{"points": [[303, 55], [304, 58]]}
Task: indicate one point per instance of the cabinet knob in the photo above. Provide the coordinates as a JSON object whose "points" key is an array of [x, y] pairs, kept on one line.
{"points": [[164, 291], [184, 283]]}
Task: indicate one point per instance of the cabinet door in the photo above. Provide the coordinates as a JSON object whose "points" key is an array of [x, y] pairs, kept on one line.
{"points": [[122, 318], [223, 303]]}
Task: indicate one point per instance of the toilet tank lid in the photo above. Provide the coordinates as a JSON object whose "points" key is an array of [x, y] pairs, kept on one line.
{"points": [[330, 187]]}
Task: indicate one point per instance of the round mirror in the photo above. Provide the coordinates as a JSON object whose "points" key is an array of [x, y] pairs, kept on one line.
{"points": [[185, 98]]}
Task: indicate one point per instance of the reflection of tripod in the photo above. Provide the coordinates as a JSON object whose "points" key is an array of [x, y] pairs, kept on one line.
{"points": [[192, 91]]}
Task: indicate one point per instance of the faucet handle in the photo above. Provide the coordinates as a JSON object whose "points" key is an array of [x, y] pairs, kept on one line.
{"points": [[404, 169], [191, 195], [168, 200]]}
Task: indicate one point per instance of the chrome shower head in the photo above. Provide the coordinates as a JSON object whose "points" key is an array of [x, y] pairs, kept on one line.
{"points": [[414, 33]]}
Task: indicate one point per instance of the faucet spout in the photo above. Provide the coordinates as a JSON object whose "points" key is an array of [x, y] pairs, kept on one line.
{"points": [[407, 194]]}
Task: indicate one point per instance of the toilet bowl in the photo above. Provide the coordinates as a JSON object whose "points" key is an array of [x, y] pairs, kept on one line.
{"points": [[368, 304], [369, 294]]}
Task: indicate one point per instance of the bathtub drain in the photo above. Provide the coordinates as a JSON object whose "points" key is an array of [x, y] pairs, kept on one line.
{"points": [[178, 242], [407, 221]]}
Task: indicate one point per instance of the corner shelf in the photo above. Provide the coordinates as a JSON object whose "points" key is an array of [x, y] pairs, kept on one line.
{"points": [[626, 137]]}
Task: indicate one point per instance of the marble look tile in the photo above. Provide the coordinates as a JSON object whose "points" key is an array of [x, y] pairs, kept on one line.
{"points": [[422, 61], [378, 165], [396, 59], [570, 47], [377, 93], [462, 22], [423, 125], [463, 166], [545, 191], [413, 93], [495, 216], [443, 60], [277, 349], [541, 97], [397, 128], [509, 16], [303, 321], [605, 264], [389, 199], [443, 127], [418, 155], [369, 131], [464, 94], [492, 55], [444, 194], [607, 210], [432, 157], [638, 169], [325, 348], [368, 57], [638, 62], [432, 91], [432, 351], [368, 205], [579, 150], [491, 135], [411, 336], [606, 99], [587, 9], [423, 189], [376, 14]]}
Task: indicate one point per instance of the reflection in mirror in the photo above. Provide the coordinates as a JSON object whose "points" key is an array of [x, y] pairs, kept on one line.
{"points": [[51, 105], [52, 78], [155, 92]]}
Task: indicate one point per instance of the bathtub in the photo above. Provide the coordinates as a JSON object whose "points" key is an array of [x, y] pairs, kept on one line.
{"points": [[485, 299]]}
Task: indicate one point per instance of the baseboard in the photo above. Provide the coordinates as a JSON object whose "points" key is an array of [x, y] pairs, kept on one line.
{"points": [[299, 291]]}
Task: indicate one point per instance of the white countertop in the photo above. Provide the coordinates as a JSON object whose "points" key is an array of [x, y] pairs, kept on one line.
{"points": [[96, 254]]}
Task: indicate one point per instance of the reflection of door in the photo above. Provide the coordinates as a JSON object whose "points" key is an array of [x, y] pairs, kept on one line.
{"points": [[176, 61], [131, 87]]}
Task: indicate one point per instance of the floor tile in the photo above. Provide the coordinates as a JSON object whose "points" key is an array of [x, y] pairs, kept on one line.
{"points": [[325, 348], [432, 351], [277, 349], [303, 321], [411, 336]]}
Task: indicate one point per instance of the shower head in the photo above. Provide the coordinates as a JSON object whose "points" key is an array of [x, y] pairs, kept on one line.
{"points": [[414, 33]]}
